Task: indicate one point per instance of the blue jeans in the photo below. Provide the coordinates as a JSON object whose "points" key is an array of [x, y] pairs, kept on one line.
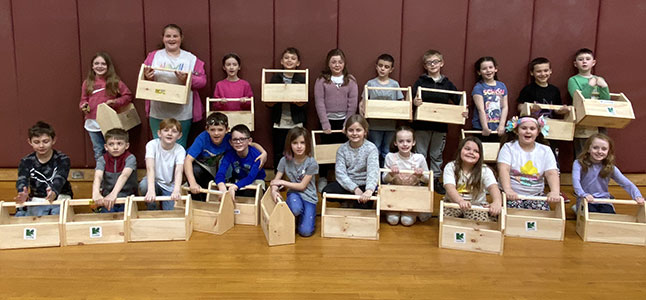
{"points": [[98, 144], [304, 211], [115, 208], [383, 140], [165, 205], [186, 129], [43, 210]]}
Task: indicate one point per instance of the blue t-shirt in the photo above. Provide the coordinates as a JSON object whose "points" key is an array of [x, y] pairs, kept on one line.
{"points": [[207, 153], [492, 96], [244, 169]]}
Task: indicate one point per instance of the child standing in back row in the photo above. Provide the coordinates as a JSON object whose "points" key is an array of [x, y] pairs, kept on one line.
{"points": [[232, 87], [490, 99], [286, 116], [382, 131]]}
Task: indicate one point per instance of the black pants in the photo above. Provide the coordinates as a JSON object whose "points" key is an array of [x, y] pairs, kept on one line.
{"points": [[336, 188], [279, 138], [334, 138], [202, 177]]}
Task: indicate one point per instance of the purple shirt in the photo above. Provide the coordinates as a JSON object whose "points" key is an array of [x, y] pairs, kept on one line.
{"points": [[590, 183]]}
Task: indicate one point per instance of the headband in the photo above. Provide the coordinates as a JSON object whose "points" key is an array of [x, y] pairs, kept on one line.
{"points": [[540, 122]]}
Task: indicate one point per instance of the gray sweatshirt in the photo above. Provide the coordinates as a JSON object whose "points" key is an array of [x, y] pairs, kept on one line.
{"points": [[357, 167]]}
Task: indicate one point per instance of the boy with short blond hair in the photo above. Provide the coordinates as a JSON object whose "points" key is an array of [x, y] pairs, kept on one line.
{"points": [[204, 156], [243, 161], [115, 174], [591, 86], [164, 166], [382, 131], [431, 134], [42, 174]]}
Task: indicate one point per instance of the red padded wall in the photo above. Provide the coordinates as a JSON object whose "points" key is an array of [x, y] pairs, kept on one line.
{"points": [[9, 106], [245, 28], [115, 27], [619, 54], [48, 46], [47, 59]]}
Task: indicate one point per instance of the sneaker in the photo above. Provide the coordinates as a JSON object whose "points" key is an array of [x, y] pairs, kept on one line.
{"points": [[322, 184], [423, 217], [438, 187], [565, 198]]}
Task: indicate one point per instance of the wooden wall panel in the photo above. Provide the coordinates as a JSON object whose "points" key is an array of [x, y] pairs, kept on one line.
{"points": [[619, 54], [47, 57], [9, 156], [115, 27], [245, 28], [311, 27]]}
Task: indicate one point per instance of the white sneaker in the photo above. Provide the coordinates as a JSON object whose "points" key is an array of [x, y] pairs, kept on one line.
{"points": [[322, 184], [408, 220], [392, 218]]}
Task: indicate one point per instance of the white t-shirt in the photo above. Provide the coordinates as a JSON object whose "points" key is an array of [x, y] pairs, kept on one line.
{"points": [[415, 160], [184, 62], [486, 179], [527, 168], [165, 162]]}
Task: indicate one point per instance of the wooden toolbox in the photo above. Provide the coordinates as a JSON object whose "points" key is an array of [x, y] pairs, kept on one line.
{"points": [[536, 224], [439, 112], [406, 197], [247, 209], [159, 225], [125, 118], [276, 220], [490, 149], [349, 223], [325, 153], [470, 235], [162, 91], [29, 231], [612, 228], [81, 227], [215, 215], [245, 117], [559, 129], [614, 113], [284, 92], [388, 109]]}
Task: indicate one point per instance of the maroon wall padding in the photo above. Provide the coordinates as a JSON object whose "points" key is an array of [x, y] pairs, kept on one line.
{"points": [[560, 28], [245, 28], [311, 27], [14, 135], [620, 60], [363, 36], [115, 27], [48, 47], [440, 26], [47, 59]]}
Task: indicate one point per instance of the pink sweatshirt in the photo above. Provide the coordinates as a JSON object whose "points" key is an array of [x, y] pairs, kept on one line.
{"points": [[124, 97], [232, 89], [198, 81], [330, 98]]}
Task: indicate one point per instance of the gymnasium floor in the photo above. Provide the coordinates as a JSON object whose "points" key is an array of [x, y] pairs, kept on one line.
{"points": [[404, 264]]}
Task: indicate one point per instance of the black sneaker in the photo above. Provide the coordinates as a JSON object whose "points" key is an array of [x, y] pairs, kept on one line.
{"points": [[438, 187]]}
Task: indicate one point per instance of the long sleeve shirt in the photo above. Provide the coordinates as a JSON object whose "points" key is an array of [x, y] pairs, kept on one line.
{"points": [[578, 82], [357, 166], [244, 169], [39, 176], [99, 95], [329, 98], [590, 183]]}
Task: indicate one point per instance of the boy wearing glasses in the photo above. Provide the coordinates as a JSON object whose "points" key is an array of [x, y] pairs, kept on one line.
{"points": [[205, 154], [243, 159], [430, 133]]}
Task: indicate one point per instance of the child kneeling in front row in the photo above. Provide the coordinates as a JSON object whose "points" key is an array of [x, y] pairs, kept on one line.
{"points": [[42, 175], [243, 161], [115, 174], [404, 159], [467, 179], [164, 165], [357, 165], [592, 171], [300, 167]]}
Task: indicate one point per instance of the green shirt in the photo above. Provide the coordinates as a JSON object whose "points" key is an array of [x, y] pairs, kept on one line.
{"points": [[578, 82]]}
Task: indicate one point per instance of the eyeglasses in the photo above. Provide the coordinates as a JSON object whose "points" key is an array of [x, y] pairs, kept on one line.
{"points": [[212, 122], [239, 140], [433, 62]]}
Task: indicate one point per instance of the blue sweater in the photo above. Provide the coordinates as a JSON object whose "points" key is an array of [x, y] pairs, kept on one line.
{"points": [[244, 169]]}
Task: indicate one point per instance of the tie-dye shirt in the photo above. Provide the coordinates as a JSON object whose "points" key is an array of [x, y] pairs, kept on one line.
{"points": [[527, 169]]}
